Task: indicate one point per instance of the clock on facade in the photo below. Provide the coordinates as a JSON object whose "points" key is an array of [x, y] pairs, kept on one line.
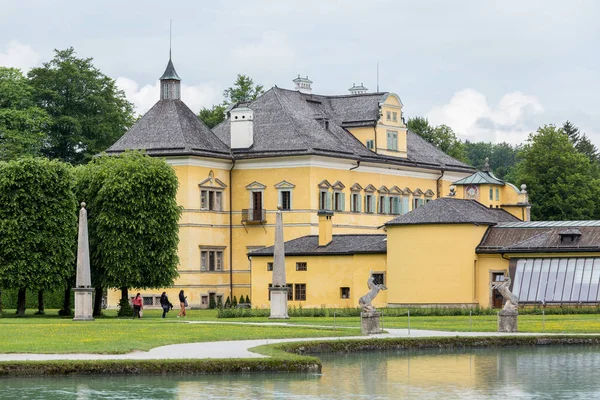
{"points": [[471, 191]]}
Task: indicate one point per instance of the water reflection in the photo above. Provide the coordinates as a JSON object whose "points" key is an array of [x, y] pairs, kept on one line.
{"points": [[524, 372]]}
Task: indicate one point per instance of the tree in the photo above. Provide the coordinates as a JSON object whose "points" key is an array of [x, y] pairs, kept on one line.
{"points": [[38, 225], [243, 90], [561, 182], [88, 112], [22, 124], [581, 142], [571, 131], [441, 136], [212, 116], [133, 221]]}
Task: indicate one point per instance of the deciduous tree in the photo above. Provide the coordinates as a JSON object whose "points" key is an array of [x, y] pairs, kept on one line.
{"points": [[561, 182], [22, 123], [38, 225], [88, 112], [133, 221]]}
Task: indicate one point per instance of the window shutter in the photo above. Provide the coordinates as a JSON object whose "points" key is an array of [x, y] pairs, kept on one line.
{"points": [[203, 195], [359, 202], [279, 198], [218, 201], [420, 202], [343, 200], [395, 205], [386, 206], [219, 265], [327, 201], [406, 205], [203, 260]]}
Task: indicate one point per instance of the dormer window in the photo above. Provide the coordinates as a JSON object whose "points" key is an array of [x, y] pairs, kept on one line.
{"points": [[569, 236]]}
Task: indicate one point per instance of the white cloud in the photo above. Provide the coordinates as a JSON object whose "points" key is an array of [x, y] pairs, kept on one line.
{"points": [[272, 52], [19, 55], [143, 98], [470, 115]]}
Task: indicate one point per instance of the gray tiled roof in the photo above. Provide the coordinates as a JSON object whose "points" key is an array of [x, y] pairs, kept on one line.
{"points": [[480, 177], [340, 245], [509, 239], [171, 128], [287, 122], [453, 211]]}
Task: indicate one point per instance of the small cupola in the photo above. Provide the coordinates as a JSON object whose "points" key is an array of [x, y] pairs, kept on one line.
{"points": [[170, 83], [303, 85], [569, 236], [358, 89]]}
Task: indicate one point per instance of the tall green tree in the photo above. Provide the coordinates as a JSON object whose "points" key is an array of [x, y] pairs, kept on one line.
{"points": [[441, 136], [38, 225], [22, 123], [243, 90], [581, 142], [89, 113], [133, 221], [561, 182]]}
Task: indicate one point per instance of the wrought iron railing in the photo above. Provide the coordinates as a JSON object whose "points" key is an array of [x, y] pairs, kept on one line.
{"points": [[254, 216]]}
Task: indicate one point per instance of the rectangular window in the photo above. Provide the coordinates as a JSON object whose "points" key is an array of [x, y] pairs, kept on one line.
{"points": [[204, 300], [285, 199], [323, 200], [388, 115], [211, 260], [382, 204], [269, 291], [379, 278], [370, 144], [345, 292], [301, 266], [415, 204], [269, 266], [290, 291], [491, 193], [369, 203], [211, 200], [300, 291], [395, 116], [392, 140], [338, 201], [148, 301], [355, 204], [395, 205], [405, 204], [497, 194]]}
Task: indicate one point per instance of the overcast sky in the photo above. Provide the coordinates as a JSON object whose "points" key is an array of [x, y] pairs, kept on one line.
{"points": [[492, 70]]}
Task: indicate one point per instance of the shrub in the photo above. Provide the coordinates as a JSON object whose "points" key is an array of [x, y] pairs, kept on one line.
{"points": [[211, 304], [234, 303], [125, 309], [219, 302], [227, 303], [248, 299]]}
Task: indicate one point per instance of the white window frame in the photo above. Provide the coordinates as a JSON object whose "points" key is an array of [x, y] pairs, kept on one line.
{"points": [[369, 203], [392, 140], [338, 200], [280, 199], [355, 205]]}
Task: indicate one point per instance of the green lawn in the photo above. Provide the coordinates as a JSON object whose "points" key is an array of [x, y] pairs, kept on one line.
{"points": [[109, 334], [52, 334]]}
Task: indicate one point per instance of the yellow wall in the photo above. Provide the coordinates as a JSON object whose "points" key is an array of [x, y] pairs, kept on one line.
{"points": [[324, 277], [432, 264]]}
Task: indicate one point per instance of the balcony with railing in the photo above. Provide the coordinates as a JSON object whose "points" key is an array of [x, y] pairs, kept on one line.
{"points": [[254, 216]]}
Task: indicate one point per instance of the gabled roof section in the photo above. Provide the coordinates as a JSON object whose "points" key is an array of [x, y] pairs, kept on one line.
{"points": [[171, 128], [212, 183], [338, 185], [417, 192], [480, 177], [370, 188], [356, 187], [453, 211], [429, 193], [407, 191], [324, 184], [284, 185], [395, 190], [255, 186], [383, 189], [339, 245]]}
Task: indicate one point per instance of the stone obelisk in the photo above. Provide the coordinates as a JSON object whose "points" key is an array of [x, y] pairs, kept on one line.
{"points": [[279, 289], [83, 283]]}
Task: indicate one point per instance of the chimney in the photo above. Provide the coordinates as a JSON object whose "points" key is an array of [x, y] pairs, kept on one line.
{"points": [[303, 85], [358, 89], [242, 130], [325, 227]]}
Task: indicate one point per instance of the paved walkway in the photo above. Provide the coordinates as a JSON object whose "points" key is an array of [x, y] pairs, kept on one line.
{"points": [[236, 348]]}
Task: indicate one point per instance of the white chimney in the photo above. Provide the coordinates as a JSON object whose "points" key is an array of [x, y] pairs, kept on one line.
{"points": [[303, 85], [242, 130]]}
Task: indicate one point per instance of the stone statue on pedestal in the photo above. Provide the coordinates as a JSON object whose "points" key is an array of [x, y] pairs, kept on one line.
{"points": [[507, 318], [369, 317]]}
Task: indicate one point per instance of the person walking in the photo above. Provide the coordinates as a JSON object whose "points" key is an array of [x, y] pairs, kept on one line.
{"points": [[165, 303], [182, 304], [138, 305]]}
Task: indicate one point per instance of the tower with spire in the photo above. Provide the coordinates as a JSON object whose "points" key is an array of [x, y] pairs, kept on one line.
{"points": [[170, 83]]}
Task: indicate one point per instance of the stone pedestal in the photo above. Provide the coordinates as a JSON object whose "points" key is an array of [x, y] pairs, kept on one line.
{"points": [[369, 323], [507, 321], [279, 307], [84, 304]]}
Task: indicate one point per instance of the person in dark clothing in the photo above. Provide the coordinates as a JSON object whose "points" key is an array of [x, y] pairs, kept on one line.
{"points": [[165, 304], [182, 304]]}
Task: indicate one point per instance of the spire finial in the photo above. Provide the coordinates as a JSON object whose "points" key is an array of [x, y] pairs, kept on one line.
{"points": [[170, 35]]}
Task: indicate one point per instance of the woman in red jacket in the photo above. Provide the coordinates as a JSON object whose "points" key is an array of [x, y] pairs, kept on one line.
{"points": [[138, 305]]}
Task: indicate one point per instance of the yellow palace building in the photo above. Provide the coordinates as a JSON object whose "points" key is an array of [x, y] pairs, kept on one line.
{"points": [[346, 172]]}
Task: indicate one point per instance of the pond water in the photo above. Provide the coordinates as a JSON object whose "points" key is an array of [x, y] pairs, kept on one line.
{"points": [[552, 372]]}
